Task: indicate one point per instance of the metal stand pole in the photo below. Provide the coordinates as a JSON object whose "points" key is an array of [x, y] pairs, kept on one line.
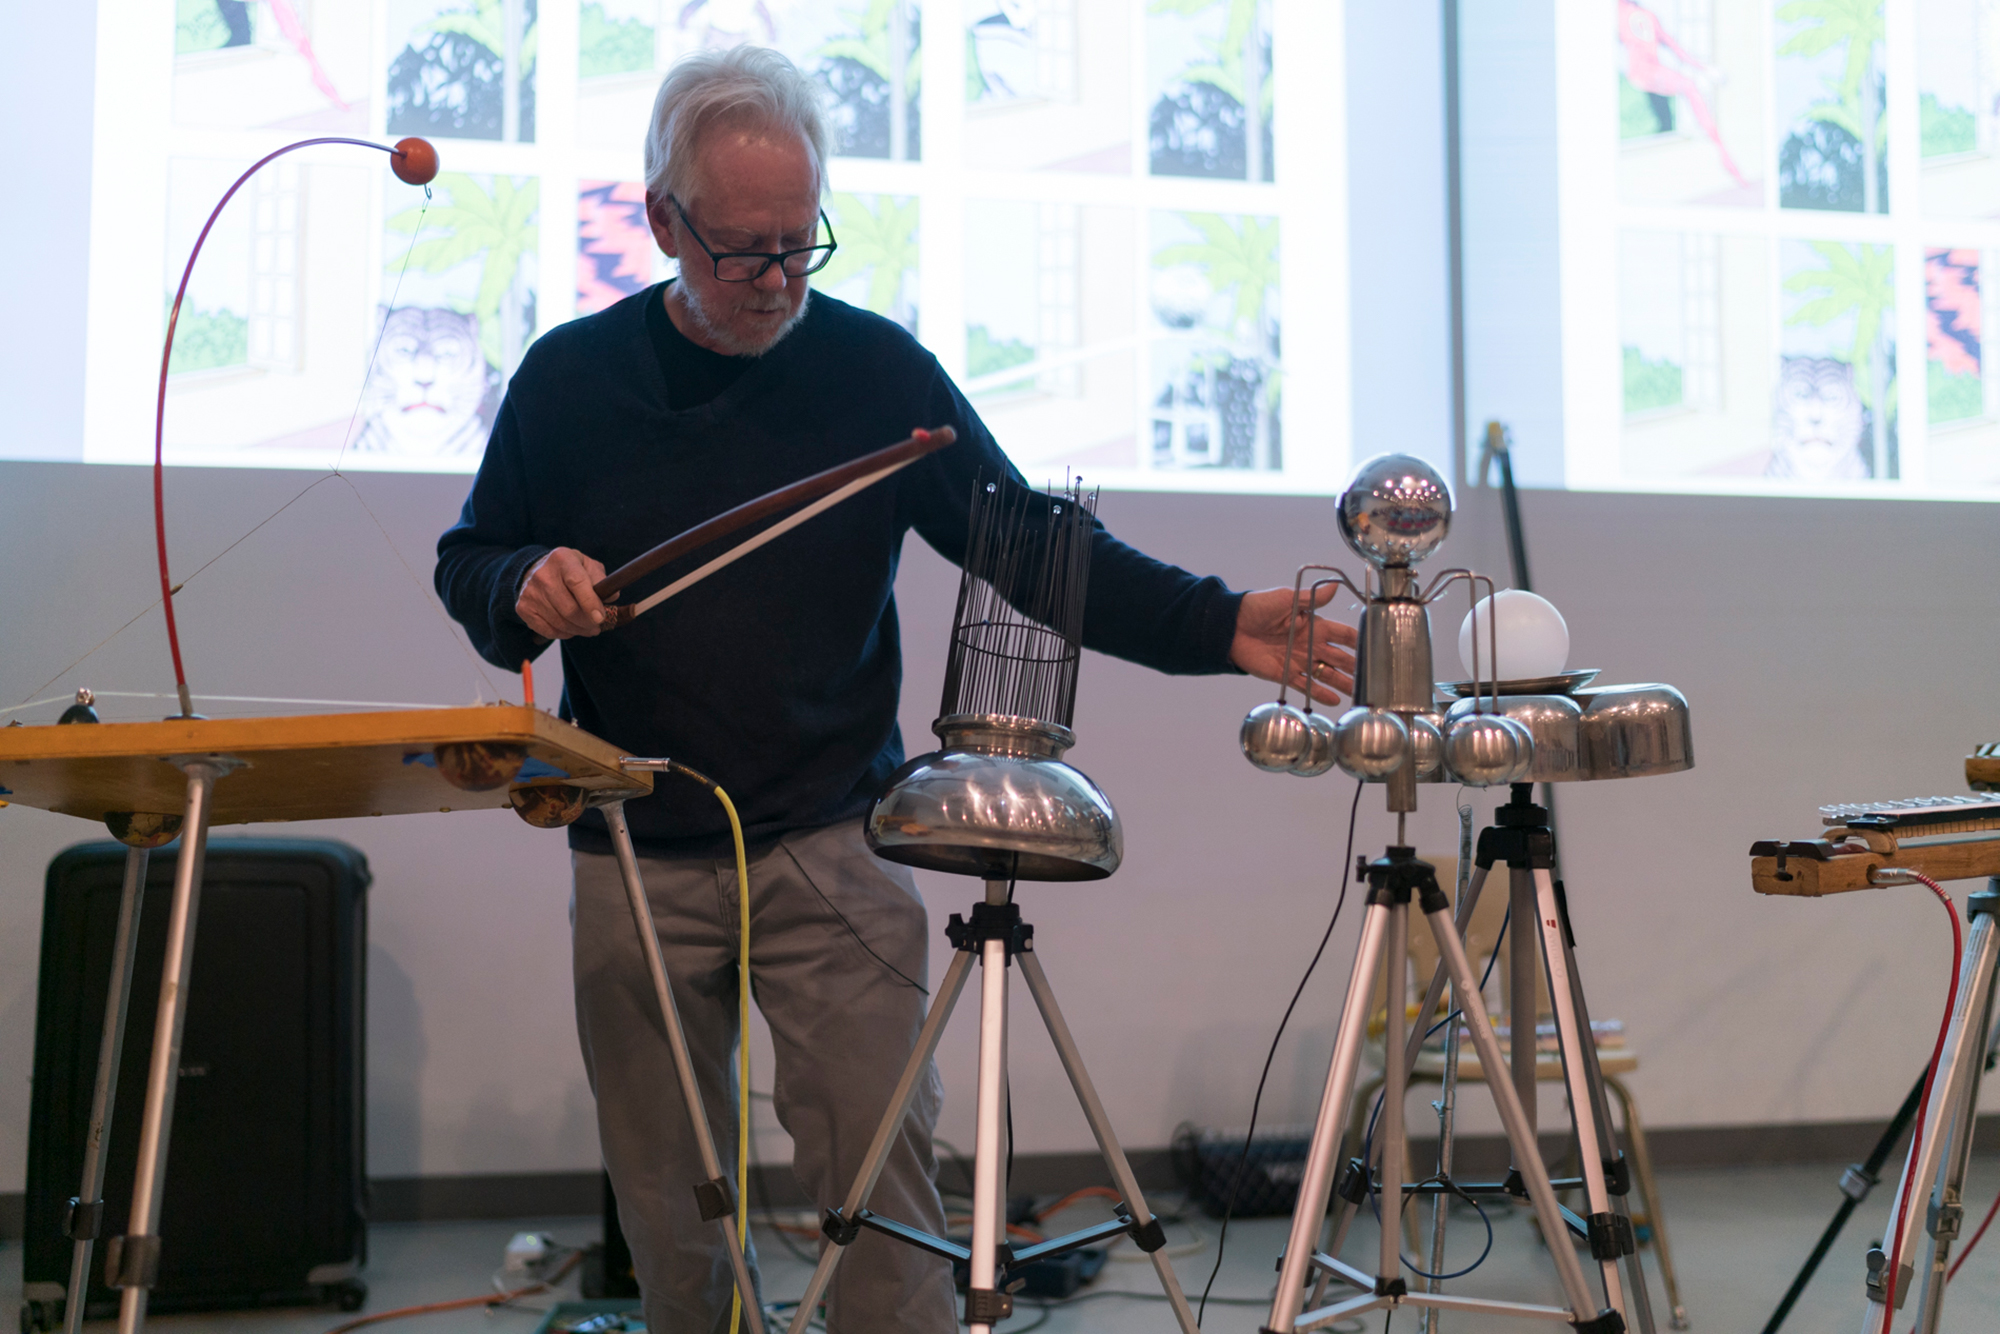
{"points": [[1616, 1173], [132, 1262], [1948, 1126], [715, 1197], [1447, 1103], [1608, 1241], [982, 1297], [86, 1211]]}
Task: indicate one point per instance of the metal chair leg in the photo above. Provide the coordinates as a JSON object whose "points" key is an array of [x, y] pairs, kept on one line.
{"points": [[1642, 1166]]}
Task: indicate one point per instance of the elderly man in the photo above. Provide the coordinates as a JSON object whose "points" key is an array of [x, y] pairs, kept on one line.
{"points": [[779, 676]]}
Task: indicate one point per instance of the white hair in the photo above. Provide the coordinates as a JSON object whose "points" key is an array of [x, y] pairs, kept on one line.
{"points": [[745, 84]]}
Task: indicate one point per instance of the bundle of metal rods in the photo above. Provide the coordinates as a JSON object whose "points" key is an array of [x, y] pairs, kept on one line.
{"points": [[1017, 636]]}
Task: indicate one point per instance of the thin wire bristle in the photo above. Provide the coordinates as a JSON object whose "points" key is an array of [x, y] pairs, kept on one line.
{"points": [[1017, 635]]}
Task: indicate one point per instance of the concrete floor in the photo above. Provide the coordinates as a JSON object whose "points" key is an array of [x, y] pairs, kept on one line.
{"points": [[1738, 1237]]}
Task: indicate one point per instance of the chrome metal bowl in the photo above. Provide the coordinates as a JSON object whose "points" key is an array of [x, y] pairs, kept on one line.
{"points": [[997, 802]]}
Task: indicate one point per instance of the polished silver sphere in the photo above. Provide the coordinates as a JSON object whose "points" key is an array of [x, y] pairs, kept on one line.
{"points": [[1370, 743], [1275, 737], [1396, 510], [1485, 749], [1320, 747], [1426, 746]]}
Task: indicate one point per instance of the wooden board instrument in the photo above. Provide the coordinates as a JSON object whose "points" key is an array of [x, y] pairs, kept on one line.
{"points": [[312, 766], [1946, 838]]}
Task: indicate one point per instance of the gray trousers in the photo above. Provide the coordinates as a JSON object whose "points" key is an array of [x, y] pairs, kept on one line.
{"points": [[843, 1023]]}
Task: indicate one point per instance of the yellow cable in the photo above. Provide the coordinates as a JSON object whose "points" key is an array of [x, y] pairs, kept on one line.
{"points": [[742, 1024], [742, 1046]]}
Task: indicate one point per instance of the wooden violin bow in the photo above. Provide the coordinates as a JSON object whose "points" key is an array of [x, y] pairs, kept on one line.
{"points": [[823, 489]]}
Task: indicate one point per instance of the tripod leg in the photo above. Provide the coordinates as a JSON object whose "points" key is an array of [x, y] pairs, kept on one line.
{"points": [[1100, 1126], [1434, 993], [86, 1216], [711, 1164], [1523, 995], [135, 1257], [1520, 1131], [1962, 1103], [885, 1134], [1316, 1184], [1395, 1089], [1921, 1167], [1600, 1109], [989, 1152], [1583, 1106]]}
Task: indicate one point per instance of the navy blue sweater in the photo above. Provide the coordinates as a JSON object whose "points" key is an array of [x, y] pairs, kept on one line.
{"points": [[778, 676]]}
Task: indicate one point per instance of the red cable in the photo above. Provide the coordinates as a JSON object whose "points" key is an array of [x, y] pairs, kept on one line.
{"points": [[408, 160], [1963, 1255], [1923, 1105]]}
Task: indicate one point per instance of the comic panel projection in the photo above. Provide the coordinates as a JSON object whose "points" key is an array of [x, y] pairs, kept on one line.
{"points": [[1080, 208], [1790, 199]]}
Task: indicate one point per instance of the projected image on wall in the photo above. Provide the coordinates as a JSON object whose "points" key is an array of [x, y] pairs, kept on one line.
{"points": [[1078, 207], [1770, 286]]}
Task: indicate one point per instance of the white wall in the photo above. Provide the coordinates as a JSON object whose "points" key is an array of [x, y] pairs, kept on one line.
{"points": [[1830, 651]]}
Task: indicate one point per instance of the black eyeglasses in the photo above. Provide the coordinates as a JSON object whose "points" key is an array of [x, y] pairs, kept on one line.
{"points": [[745, 266]]}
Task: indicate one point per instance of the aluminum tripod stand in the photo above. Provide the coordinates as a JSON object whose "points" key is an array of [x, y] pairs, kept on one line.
{"points": [[998, 936], [1393, 880], [1938, 1166]]}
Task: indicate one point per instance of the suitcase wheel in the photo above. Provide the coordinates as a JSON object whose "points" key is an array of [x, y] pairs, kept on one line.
{"points": [[349, 1295]]}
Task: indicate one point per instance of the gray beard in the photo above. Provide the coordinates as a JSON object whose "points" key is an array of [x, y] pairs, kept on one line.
{"points": [[726, 342]]}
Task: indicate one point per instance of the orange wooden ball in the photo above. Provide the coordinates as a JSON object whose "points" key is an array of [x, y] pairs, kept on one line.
{"points": [[414, 161]]}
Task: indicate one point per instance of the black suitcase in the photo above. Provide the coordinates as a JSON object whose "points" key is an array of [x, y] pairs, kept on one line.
{"points": [[265, 1197]]}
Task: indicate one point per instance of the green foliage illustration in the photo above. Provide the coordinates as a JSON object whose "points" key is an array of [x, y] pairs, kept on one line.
{"points": [[208, 340], [1239, 258], [1943, 129], [498, 229], [1650, 385], [1229, 65], [879, 241], [1954, 397], [1857, 281], [198, 27], [868, 46], [486, 24], [1856, 27], [987, 355], [611, 46]]}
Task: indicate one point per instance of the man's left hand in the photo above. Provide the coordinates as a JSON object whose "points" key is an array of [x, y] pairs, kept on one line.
{"points": [[1321, 648]]}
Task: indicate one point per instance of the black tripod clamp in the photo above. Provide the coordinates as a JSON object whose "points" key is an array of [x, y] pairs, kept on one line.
{"points": [[1394, 877], [991, 921]]}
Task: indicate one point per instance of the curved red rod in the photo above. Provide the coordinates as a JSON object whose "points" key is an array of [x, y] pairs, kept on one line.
{"points": [[416, 162]]}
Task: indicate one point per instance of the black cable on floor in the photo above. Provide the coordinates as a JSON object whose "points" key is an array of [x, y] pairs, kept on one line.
{"points": [[1256, 1103]]}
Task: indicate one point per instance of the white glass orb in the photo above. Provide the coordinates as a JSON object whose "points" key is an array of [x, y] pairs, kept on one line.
{"points": [[1320, 750], [1370, 743], [1534, 639], [1275, 737]]}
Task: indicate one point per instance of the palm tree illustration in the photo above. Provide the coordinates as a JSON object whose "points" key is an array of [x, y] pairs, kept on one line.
{"points": [[498, 26], [881, 242], [498, 229], [881, 44], [1238, 260], [1235, 66], [1857, 281], [1857, 25]]}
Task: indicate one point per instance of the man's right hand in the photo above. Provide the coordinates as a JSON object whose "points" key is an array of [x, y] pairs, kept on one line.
{"points": [[556, 600]]}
